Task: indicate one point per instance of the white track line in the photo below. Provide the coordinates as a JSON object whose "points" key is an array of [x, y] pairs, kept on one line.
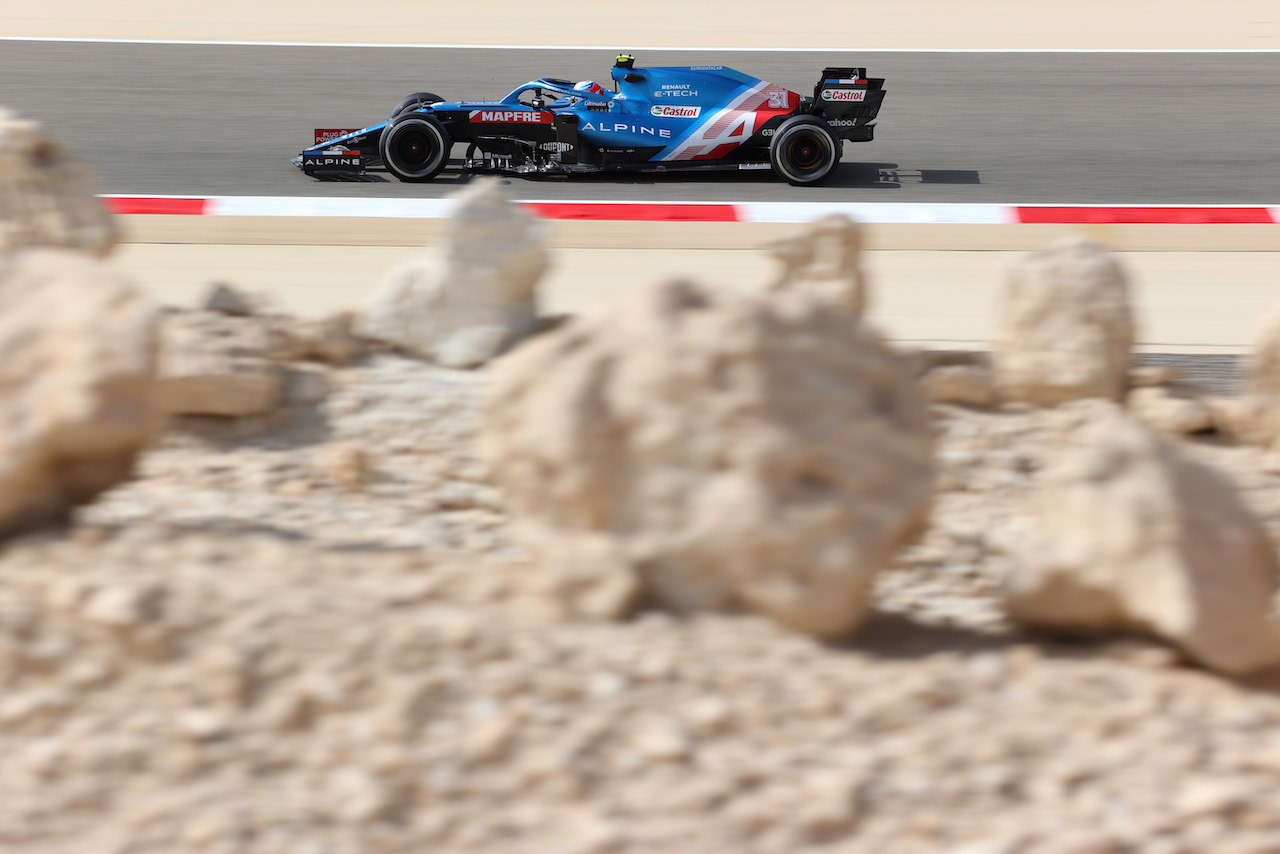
{"points": [[636, 48], [713, 202], [880, 212], [329, 207]]}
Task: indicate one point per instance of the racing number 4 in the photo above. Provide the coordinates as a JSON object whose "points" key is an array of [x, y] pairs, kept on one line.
{"points": [[740, 126]]}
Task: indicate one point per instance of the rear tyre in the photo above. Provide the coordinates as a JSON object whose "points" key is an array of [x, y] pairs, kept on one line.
{"points": [[414, 101], [415, 147], [804, 151]]}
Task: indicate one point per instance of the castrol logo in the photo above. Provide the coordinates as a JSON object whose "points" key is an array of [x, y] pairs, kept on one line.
{"points": [[666, 111], [844, 94]]}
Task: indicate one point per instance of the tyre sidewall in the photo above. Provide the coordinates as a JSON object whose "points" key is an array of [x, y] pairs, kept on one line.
{"points": [[414, 101], [788, 131], [408, 124]]}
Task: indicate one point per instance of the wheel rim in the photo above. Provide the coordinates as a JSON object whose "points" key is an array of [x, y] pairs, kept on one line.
{"points": [[807, 153], [414, 149]]}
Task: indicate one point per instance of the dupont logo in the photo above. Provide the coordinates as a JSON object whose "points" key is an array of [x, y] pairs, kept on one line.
{"points": [[511, 117], [844, 94], [666, 111], [556, 146]]}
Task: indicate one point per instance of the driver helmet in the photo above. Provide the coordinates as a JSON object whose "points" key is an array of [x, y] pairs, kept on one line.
{"points": [[589, 86]]}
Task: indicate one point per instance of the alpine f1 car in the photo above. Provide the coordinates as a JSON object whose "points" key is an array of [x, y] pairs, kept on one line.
{"points": [[653, 120]]}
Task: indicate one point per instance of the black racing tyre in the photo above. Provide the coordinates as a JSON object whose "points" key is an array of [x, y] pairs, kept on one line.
{"points": [[415, 147], [412, 102], [804, 151]]}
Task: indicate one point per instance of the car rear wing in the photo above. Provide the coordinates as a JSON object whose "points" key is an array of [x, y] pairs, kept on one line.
{"points": [[848, 93]]}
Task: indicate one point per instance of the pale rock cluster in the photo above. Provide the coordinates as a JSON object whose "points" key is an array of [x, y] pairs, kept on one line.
{"points": [[826, 258], [77, 341], [1254, 417], [1130, 534], [191, 691], [235, 358], [1064, 326], [1125, 533], [1065, 331], [960, 377], [472, 297], [1173, 408], [712, 451], [844, 620], [47, 193], [77, 383]]}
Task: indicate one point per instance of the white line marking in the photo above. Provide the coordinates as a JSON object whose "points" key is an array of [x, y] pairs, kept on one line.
{"points": [[151, 196], [302, 206], [616, 202], [1192, 205], [884, 212], [773, 212], [626, 202], [639, 48]]}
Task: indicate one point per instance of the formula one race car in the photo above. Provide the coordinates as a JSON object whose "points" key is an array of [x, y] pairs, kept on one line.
{"points": [[654, 120]]}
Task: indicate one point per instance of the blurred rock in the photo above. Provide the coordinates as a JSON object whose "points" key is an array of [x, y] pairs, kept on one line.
{"points": [[1131, 536], [226, 645], [1255, 417], [827, 257], [1065, 328], [225, 299], [329, 640], [47, 194], [331, 340], [345, 464], [968, 385], [1145, 376], [218, 364], [472, 297], [304, 385], [921, 361], [724, 452], [1238, 419], [1177, 409], [78, 396]]}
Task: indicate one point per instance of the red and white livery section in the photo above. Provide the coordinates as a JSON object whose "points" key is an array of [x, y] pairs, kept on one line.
{"points": [[722, 130], [879, 212], [507, 117]]}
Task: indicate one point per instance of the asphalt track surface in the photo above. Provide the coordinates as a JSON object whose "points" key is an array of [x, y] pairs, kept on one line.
{"points": [[1071, 128]]}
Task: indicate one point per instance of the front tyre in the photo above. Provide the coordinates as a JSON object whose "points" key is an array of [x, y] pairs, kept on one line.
{"points": [[414, 101], [415, 147], [804, 151]]}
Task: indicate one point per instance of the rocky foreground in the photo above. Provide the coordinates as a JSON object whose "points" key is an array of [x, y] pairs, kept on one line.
{"points": [[260, 645], [700, 573]]}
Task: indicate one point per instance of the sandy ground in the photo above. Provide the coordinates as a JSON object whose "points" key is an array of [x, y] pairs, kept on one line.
{"points": [[1190, 301], [1200, 288], [914, 24]]}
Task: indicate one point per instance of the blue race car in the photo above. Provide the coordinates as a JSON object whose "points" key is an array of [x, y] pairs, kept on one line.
{"points": [[653, 120]]}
